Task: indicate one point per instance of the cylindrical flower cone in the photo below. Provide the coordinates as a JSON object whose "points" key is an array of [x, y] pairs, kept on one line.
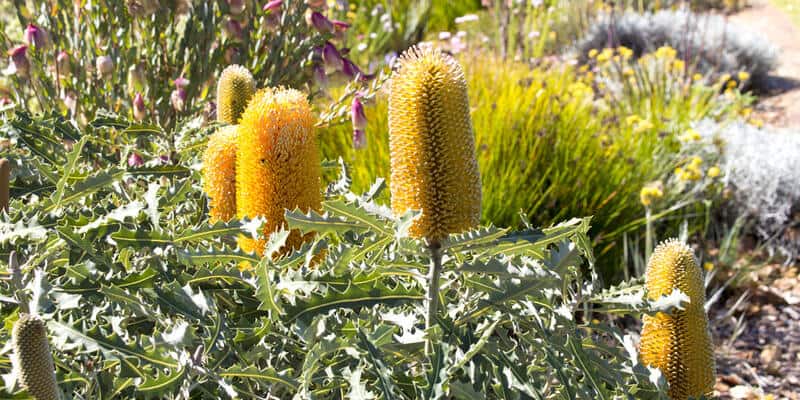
{"points": [[678, 344], [432, 145], [235, 89], [219, 174], [32, 358], [277, 162]]}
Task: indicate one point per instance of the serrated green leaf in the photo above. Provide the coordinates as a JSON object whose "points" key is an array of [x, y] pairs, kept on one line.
{"points": [[358, 215], [206, 231], [314, 222], [354, 296], [267, 375]]}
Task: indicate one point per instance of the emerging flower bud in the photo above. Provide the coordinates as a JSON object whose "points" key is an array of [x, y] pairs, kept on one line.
{"points": [[139, 111], [320, 22], [32, 359], [339, 27], [331, 57], [353, 72], [142, 8], [273, 18], [4, 101], [359, 120], [135, 160], [181, 82], [232, 55], [357, 115], [233, 29], [136, 78], [236, 6], [36, 37], [320, 77], [19, 61], [359, 139], [273, 6], [70, 100], [178, 99], [104, 65], [350, 70], [62, 63], [316, 4]]}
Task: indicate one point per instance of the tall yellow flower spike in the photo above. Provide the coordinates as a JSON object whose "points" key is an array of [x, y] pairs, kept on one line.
{"points": [[235, 89], [678, 344], [219, 173], [433, 165], [277, 162]]}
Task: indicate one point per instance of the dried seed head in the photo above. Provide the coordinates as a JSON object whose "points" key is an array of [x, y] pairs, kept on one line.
{"points": [[277, 162], [32, 358], [678, 344], [219, 173], [235, 89], [433, 165]]}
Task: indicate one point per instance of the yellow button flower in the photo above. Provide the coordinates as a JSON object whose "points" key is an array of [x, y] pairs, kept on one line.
{"points": [[650, 193]]}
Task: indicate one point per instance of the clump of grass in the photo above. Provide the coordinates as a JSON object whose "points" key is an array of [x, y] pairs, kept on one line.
{"points": [[708, 43]]}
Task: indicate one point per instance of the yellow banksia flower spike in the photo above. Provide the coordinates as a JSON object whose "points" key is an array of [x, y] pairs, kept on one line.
{"points": [[432, 145], [277, 162], [235, 89], [678, 344], [219, 173], [32, 359]]}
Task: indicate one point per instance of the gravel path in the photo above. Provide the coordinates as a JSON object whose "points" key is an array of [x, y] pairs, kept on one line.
{"points": [[764, 359], [782, 107]]}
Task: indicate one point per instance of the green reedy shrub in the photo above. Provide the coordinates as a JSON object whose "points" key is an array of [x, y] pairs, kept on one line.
{"points": [[547, 145]]}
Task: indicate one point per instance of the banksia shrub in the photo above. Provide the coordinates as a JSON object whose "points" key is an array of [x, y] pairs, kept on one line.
{"points": [[235, 89], [219, 173], [277, 162], [433, 165], [678, 344], [32, 358]]}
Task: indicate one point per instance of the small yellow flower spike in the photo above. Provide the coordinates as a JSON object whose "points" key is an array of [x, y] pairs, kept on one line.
{"points": [[235, 88], [678, 344], [432, 146], [219, 173], [277, 163]]}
